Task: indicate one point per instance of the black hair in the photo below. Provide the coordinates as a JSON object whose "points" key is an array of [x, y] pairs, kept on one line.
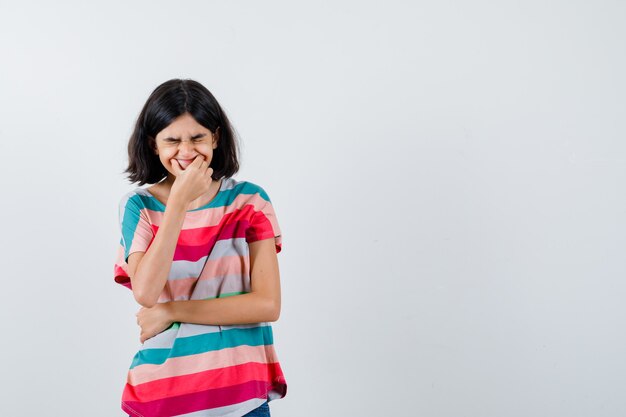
{"points": [[168, 101]]}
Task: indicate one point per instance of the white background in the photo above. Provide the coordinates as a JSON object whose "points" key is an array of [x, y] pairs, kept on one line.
{"points": [[448, 177]]}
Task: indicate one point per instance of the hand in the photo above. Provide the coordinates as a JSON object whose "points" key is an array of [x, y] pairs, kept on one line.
{"points": [[191, 182], [154, 320]]}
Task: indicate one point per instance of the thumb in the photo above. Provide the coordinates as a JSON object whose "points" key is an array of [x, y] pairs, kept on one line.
{"points": [[197, 160]]}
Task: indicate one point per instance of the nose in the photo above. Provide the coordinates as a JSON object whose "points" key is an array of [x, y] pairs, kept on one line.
{"points": [[185, 147]]}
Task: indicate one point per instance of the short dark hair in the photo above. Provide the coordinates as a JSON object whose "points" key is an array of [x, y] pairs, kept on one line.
{"points": [[168, 101]]}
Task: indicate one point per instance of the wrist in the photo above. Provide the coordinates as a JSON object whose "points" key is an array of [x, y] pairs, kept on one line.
{"points": [[175, 208], [176, 203], [170, 310]]}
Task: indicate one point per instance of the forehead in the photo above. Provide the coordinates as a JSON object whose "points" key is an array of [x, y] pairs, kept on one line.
{"points": [[184, 125]]}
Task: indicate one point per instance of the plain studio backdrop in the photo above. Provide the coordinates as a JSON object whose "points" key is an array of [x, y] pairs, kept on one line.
{"points": [[448, 176]]}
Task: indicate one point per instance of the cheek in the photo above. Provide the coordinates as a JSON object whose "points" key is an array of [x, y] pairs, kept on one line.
{"points": [[166, 160], [166, 155]]}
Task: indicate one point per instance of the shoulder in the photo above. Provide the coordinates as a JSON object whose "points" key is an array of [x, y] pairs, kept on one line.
{"points": [[134, 199], [243, 189]]}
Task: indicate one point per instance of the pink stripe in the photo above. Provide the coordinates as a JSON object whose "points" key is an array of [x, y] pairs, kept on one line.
{"points": [[203, 381], [210, 216], [214, 359], [195, 243]]}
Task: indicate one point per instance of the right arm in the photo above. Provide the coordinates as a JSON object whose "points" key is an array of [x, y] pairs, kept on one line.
{"points": [[149, 270]]}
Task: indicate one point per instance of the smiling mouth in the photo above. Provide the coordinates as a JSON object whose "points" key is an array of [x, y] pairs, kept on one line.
{"points": [[184, 163]]}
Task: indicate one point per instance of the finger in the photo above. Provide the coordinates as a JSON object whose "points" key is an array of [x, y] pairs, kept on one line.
{"points": [[197, 161], [176, 167]]}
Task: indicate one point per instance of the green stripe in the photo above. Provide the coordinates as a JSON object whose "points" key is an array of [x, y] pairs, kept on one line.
{"points": [[227, 294], [223, 198], [193, 345], [130, 220]]}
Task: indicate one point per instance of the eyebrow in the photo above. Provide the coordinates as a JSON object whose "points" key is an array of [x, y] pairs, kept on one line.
{"points": [[198, 136]]}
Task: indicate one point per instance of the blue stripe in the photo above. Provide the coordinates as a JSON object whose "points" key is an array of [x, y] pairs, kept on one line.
{"points": [[223, 198], [130, 220], [193, 345]]}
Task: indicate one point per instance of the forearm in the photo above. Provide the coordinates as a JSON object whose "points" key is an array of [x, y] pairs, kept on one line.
{"points": [[236, 309], [154, 267]]}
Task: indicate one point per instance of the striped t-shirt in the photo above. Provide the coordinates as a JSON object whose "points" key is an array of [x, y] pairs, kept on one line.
{"points": [[193, 369]]}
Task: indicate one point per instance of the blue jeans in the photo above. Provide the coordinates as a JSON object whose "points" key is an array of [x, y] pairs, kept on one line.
{"points": [[261, 411]]}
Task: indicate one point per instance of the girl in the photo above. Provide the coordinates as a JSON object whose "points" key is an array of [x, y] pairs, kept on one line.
{"points": [[198, 250]]}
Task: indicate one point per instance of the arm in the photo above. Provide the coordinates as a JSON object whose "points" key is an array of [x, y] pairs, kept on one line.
{"points": [[149, 270], [261, 304], [152, 268]]}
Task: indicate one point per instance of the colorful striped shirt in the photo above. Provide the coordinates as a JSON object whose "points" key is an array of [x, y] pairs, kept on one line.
{"points": [[192, 369]]}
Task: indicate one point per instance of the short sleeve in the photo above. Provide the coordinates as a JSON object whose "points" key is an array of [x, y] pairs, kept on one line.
{"points": [[263, 221], [136, 235]]}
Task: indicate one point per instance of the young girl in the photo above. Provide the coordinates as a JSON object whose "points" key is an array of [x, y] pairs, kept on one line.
{"points": [[198, 250]]}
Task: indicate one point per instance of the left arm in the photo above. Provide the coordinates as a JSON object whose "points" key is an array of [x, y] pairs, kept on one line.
{"points": [[261, 304]]}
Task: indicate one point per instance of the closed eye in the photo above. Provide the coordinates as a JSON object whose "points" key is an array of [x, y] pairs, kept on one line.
{"points": [[195, 137]]}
